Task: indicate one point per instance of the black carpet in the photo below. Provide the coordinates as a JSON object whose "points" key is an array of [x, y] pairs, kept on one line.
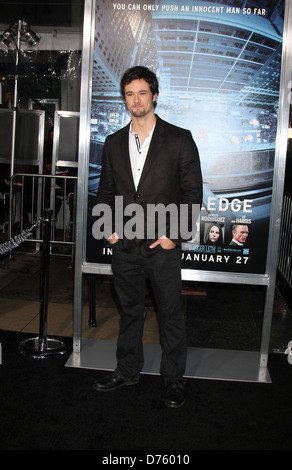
{"points": [[47, 406]]}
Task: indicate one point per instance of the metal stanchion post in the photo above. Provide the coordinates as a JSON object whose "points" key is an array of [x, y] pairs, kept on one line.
{"points": [[42, 346], [45, 279]]}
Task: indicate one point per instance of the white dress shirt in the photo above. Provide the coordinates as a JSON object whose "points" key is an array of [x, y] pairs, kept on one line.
{"points": [[138, 153]]}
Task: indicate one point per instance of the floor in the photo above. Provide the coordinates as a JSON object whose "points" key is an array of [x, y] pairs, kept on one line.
{"points": [[217, 316]]}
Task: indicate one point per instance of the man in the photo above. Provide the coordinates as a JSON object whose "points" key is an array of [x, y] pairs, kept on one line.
{"points": [[239, 235], [149, 162]]}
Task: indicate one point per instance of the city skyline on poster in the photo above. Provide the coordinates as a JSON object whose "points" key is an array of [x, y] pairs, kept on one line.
{"points": [[219, 71]]}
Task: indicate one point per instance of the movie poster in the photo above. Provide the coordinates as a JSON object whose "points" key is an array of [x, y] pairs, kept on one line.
{"points": [[218, 64]]}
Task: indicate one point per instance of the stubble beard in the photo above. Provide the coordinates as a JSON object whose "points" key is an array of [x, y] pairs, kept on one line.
{"points": [[141, 112]]}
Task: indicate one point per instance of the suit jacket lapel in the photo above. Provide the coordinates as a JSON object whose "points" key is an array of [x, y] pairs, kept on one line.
{"points": [[125, 161], [154, 150]]}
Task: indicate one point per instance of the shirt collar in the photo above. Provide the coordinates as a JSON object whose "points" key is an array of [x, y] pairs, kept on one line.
{"points": [[150, 133]]}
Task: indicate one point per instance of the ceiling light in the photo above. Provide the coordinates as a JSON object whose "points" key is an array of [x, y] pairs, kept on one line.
{"points": [[6, 38], [25, 33], [31, 38]]}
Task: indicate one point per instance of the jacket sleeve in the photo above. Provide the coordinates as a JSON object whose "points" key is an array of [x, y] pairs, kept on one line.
{"points": [[106, 188], [191, 188], [106, 194]]}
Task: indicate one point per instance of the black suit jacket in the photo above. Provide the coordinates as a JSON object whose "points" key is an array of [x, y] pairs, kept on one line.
{"points": [[171, 175]]}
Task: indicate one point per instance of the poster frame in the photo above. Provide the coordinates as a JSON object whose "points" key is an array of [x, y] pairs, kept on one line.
{"points": [[7, 123], [60, 118], [267, 279]]}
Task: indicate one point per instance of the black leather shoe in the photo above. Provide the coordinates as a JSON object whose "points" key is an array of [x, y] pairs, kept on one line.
{"points": [[111, 382], [174, 394]]}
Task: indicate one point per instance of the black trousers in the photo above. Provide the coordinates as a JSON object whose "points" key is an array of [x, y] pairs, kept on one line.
{"points": [[130, 271]]}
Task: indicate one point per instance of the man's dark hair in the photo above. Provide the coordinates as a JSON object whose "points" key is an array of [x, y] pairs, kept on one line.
{"points": [[137, 73]]}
